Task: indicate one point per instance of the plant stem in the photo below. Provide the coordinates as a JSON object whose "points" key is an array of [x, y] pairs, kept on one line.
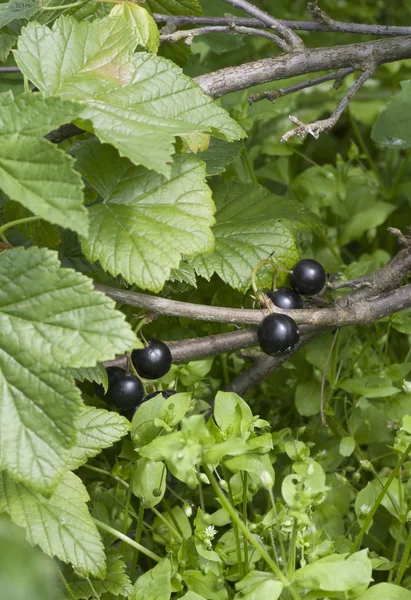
{"points": [[370, 516], [404, 561], [247, 163], [247, 533], [245, 487], [140, 523], [126, 539], [126, 512], [236, 530], [292, 551], [65, 583], [107, 473], [167, 523], [4, 228], [395, 553], [172, 517]]}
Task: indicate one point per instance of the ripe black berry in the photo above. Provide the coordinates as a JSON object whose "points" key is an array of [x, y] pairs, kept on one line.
{"points": [[164, 393], [286, 298], [112, 373], [153, 361], [308, 277], [277, 334], [125, 391]]}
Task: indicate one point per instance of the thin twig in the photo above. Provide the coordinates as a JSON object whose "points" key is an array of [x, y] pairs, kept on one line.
{"points": [[232, 28], [322, 413], [337, 26], [9, 70], [272, 95], [318, 127], [292, 42]]}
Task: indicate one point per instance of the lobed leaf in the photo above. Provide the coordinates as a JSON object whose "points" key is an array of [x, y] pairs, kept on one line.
{"points": [[146, 222], [61, 525]]}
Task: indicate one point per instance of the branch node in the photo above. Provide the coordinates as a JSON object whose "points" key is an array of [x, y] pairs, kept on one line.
{"points": [[319, 15]]}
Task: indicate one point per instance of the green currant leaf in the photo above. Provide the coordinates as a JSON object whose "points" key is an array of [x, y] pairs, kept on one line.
{"points": [[175, 7], [33, 171], [138, 103], [142, 23], [393, 126], [249, 230], [55, 314], [16, 9], [97, 429], [219, 155], [146, 222], [61, 525], [115, 582], [97, 374]]}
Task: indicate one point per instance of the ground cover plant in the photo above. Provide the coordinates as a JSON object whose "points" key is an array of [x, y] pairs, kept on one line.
{"points": [[205, 305]]}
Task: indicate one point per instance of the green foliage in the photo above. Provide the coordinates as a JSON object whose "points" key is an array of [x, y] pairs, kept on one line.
{"points": [[166, 190]]}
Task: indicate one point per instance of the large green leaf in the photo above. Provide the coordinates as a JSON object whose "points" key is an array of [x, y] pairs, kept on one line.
{"points": [[61, 525], [25, 572], [258, 585], [386, 591], [155, 584], [147, 222], [393, 126], [57, 313], [33, 171], [249, 230], [138, 103], [116, 581], [16, 9], [51, 314], [142, 23], [175, 7], [97, 429], [336, 573]]}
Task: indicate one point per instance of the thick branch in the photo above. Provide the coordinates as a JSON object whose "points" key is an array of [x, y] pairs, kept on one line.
{"points": [[335, 26], [232, 79]]}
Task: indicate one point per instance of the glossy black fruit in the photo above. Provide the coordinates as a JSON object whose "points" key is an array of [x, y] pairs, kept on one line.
{"points": [[112, 372], [286, 298], [277, 334], [153, 361], [164, 393], [307, 277], [125, 391]]}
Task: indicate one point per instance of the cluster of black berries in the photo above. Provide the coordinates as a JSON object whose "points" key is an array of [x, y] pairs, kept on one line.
{"points": [[279, 333], [126, 390]]}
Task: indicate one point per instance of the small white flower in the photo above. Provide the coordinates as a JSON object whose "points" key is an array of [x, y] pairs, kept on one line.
{"points": [[365, 509], [266, 479], [210, 532], [406, 386]]}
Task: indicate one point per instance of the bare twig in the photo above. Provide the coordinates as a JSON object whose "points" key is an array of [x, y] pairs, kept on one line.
{"points": [[272, 95], [9, 70], [337, 26], [318, 127], [292, 42], [232, 28]]}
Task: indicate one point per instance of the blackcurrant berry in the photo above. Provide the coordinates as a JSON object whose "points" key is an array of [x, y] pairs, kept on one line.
{"points": [[153, 361], [308, 277], [112, 372], [125, 391], [277, 334], [286, 298], [164, 393]]}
